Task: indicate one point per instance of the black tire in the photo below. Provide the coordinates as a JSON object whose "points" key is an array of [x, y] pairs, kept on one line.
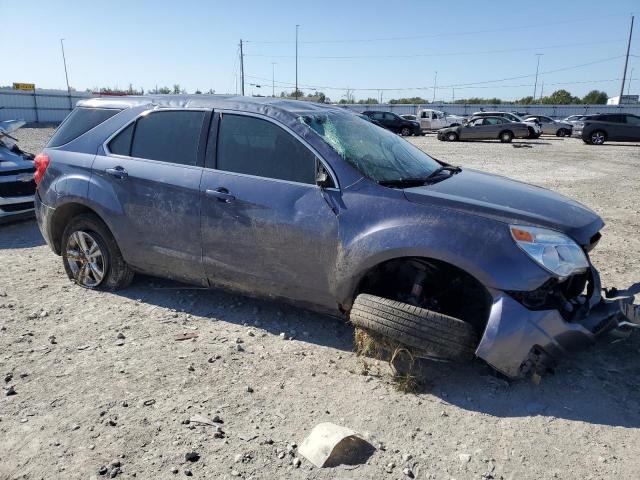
{"points": [[561, 132], [431, 334], [451, 137], [532, 132], [405, 131], [538, 135], [597, 137], [506, 136], [117, 274]]}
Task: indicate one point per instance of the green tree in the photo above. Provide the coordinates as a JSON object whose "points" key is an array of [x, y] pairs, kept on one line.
{"points": [[410, 100], [526, 100], [176, 88], [560, 97], [368, 101], [164, 90], [595, 97]]}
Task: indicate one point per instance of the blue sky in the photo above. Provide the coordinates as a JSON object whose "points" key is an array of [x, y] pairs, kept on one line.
{"points": [[390, 45]]}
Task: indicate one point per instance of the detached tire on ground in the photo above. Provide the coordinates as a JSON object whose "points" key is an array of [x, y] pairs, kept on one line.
{"points": [[430, 333]]}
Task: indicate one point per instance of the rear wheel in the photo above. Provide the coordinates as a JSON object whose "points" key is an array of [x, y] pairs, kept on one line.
{"points": [[506, 136], [597, 138], [91, 256], [452, 137], [429, 333], [561, 132], [532, 132], [405, 131]]}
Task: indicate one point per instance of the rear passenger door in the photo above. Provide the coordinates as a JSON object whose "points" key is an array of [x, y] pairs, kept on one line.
{"points": [[150, 176], [632, 128], [267, 227]]}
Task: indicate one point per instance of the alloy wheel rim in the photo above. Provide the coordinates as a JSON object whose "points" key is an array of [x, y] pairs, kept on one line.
{"points": [[85, 259], [597, 138]]}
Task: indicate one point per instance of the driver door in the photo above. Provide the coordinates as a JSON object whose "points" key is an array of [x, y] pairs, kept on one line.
{"points": [[267, 228]]}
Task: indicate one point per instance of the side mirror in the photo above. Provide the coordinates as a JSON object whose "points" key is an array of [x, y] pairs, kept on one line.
{"points": [[323, 180]]}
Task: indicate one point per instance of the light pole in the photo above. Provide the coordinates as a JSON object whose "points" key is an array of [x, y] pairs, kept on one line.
{"points": [[296, 92], [435, 83], [273, 76], [535, 85], [66, 76], [630, 77]]}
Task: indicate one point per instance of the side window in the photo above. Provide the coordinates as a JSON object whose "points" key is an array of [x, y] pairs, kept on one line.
{"points": [[80, 121], [378, 115], [490, 121], [423, 114], [171, 136], [257, 147], [390, 116], [121, 144], [633, 120]]}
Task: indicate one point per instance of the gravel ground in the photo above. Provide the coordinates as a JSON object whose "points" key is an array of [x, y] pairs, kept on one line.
{"points": [[87, 398]]}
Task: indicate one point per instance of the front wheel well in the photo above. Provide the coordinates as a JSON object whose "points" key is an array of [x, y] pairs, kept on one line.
{"points": [[444, 288], [60, 219]]}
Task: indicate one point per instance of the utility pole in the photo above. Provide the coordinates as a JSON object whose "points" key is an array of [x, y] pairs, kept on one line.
{"points": [[626, 61], [535, 85], [241, 69], [453, 94], [435, 83], [630, 77], [273, 76], [541, 92], [64, 61], [296, 92]]}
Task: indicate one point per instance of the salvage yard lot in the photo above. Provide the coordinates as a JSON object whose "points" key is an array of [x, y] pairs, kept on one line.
{"points": [[85, 396]]}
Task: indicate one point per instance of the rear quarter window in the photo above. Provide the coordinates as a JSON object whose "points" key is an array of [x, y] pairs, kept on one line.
{"points": [[80, 121]]}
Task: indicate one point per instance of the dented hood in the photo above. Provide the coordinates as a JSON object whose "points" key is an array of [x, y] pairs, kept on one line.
{"points": [[510, 201]]}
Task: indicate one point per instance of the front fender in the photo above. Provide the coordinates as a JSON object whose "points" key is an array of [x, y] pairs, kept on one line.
{"points": [[390, 228]]}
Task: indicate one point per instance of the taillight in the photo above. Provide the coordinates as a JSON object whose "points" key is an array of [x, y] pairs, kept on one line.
{"points": [[41, 162]]}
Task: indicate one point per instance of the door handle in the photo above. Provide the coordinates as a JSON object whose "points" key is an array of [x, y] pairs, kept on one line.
{"points": [[117, 172], [221, 194]]}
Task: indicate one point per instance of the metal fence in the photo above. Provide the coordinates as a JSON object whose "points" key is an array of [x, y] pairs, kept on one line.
{"points": [[555, 111], [54, 105], [38, 105]]}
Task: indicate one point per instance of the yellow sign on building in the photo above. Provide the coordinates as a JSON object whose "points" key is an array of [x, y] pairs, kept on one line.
{"points": [[24, 86]]}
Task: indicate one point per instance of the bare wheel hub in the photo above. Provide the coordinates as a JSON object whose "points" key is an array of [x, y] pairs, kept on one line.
{"points": [[85, 259]]}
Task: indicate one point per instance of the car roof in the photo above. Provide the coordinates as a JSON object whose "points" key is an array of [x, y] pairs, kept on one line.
{"points": [[232, 102]]}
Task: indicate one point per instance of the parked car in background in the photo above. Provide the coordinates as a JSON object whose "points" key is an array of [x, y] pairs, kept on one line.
{"points": [[485, 128], [534, 128], [413, 118], [435, 119], [572, 119], [345, 218], [614, 127], [17, 187], [395, 123], [552, 127], [369, 119]]}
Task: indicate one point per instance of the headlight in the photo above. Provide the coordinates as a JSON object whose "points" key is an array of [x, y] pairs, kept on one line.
{"points": [[552, 250]]}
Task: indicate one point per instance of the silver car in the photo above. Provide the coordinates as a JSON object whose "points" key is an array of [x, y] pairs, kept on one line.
{"points": [[485, 128], [552, 127]]}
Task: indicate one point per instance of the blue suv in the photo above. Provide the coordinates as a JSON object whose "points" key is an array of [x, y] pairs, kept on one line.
{"points": [[312, 204]]}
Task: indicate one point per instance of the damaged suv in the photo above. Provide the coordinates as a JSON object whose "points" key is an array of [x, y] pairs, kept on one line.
{"points": [[312, 204]]}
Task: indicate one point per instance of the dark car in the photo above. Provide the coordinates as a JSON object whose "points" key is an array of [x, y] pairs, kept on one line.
{"points": [[310, 204], [17, 188], [395, 123], [615, 127], [369, 119], [485, 128]]}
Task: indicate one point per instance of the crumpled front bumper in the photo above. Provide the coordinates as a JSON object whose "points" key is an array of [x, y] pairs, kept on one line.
{"points": [[517, 340]]}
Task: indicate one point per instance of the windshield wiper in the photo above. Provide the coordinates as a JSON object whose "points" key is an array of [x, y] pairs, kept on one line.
{"points": [[446, 168], [406, 182]]}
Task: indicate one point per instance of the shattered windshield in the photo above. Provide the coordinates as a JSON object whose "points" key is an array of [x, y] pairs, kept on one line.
{"points": [[375, 152]]}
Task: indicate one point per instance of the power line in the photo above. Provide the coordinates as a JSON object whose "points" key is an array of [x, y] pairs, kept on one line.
{"points": [[457, 85], [444, 34], [448, 54]]}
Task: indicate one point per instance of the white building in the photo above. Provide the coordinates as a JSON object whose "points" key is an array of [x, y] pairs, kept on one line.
{"points": [[624, 100]]}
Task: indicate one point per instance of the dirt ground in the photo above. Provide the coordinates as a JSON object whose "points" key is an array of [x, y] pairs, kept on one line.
{"points": [[86, 397]]}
